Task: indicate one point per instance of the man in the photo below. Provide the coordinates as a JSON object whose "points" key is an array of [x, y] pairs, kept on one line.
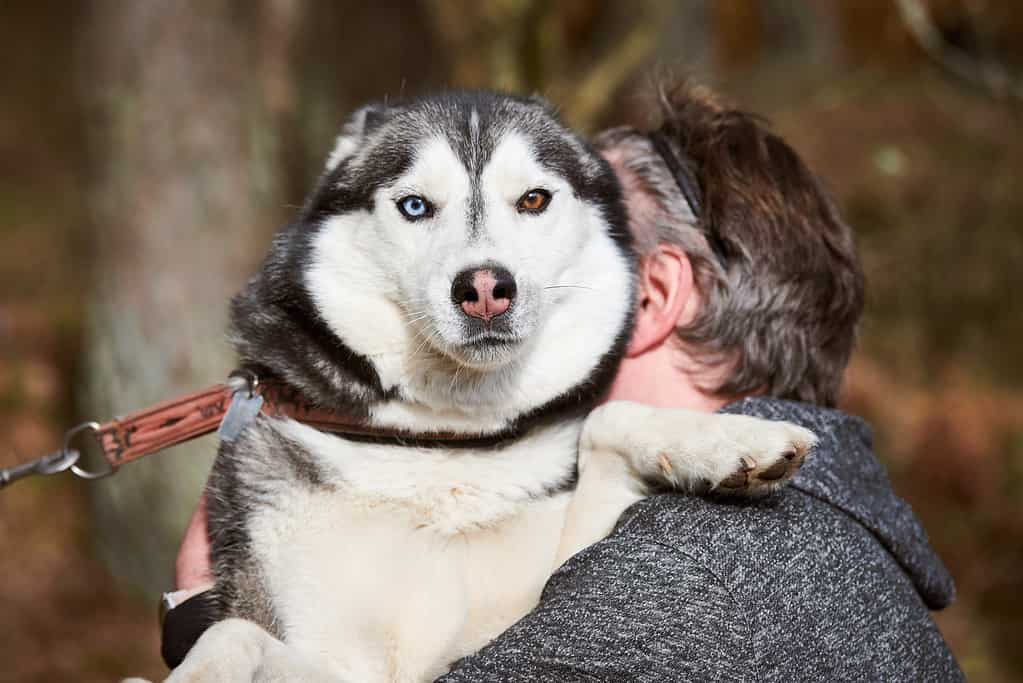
{"points": [[750, 293]]}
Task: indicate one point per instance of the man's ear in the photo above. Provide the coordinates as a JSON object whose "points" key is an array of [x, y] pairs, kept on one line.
{"points": [[360, 124], [666, 287]]}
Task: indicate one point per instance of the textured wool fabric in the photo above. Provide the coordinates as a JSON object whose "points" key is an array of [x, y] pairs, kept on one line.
{"points": [[829, 579]]}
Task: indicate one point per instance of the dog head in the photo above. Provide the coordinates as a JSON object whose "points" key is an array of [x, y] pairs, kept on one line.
{"points": [[465, 255]]}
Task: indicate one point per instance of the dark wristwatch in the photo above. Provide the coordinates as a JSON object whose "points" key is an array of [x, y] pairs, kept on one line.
{"points": [[183, 618]]}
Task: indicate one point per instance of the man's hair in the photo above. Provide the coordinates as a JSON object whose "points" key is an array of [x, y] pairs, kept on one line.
{"points": [[780, 280]]}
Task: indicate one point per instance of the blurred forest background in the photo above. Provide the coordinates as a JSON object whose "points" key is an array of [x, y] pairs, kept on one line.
{"points": [[149, 149]]}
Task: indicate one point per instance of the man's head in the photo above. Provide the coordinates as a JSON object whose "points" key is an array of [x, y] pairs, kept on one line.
{"points": [[758, 294]]}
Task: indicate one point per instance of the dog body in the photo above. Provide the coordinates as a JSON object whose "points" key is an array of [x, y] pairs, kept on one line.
{"points": [[397, 561], [464, 265]]}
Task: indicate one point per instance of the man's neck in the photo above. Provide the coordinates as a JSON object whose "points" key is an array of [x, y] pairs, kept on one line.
{"points": [[662, 377]]}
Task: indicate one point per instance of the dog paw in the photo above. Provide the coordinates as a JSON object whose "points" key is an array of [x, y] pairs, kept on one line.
{"points": [[690, 450], [768, 454], [230, 650]]}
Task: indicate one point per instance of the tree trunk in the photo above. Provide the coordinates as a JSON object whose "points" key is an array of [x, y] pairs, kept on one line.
{"points": [[183, 151]]}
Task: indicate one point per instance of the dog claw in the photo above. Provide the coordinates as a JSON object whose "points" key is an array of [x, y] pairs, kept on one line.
{"points": [[759, 476], [737, 480], [775, 471]]}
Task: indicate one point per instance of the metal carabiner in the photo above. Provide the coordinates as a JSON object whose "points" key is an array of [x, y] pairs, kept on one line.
{"points": [[58, 461], [51, 463]]}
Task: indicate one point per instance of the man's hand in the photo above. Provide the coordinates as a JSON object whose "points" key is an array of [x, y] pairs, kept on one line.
{"points": [[192, 568]]}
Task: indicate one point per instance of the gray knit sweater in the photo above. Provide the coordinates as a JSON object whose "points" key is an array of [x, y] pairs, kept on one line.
{"points": [[828, 580]]}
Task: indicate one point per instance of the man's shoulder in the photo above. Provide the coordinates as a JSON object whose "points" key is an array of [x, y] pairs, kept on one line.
{"points": [[748, 543], [788, 564]]}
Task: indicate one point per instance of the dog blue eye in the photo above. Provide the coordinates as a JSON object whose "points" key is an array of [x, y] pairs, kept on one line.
{"points": [[414, 207]]}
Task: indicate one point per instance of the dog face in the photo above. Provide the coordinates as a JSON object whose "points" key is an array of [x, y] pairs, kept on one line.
{"points": [[468, 249]]}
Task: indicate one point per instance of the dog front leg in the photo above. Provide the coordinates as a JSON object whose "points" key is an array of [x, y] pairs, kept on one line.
{"points": [[692, 450], [239, 651], [607, 486], [626, 447]]}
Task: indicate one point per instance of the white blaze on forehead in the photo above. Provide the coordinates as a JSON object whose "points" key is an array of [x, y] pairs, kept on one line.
{"points": [[474, 128], [436, 174]]}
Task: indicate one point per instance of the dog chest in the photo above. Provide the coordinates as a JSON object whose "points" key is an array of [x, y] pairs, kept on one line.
{"points": [[387, 598], [399, 561]]}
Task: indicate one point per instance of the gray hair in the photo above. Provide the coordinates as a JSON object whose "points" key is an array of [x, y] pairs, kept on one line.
{"points": [[781, 304]]}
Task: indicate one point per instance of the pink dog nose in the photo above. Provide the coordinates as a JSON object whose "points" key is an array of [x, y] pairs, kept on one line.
{"points": [[483, 293]]}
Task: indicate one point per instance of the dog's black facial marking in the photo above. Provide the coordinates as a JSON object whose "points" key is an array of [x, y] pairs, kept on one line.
{"points": [[557, 148], [332, 198], [592, 177], [351, 186], [278, 332]]}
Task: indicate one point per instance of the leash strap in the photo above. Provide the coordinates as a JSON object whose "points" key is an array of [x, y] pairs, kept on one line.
{"points": [[162, 425], [231, 407], [168, 423]]}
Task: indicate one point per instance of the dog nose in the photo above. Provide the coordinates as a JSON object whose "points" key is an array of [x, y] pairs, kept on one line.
{"points": [[485, 292]]}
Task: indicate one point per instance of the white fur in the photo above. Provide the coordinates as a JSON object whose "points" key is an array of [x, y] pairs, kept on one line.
{"points": [[686, 448]]}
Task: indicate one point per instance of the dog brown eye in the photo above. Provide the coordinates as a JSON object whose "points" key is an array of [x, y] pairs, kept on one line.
{"points": [[534, 201]]}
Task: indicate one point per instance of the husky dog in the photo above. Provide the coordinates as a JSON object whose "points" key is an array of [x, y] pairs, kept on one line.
{"points": [[463, 265]]}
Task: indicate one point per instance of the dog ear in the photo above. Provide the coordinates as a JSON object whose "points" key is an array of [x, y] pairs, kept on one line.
{"points": [[360, 124]]}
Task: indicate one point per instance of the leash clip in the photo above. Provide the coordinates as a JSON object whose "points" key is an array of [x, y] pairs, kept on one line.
{"points": [[59, 461], [51, 463]]}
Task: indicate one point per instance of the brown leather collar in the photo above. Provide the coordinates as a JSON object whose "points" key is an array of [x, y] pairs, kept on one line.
{"points": [[187, 417]]}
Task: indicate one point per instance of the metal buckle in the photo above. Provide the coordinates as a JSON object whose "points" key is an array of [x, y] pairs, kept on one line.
{"points": [[243, 379], [80, 471]]}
